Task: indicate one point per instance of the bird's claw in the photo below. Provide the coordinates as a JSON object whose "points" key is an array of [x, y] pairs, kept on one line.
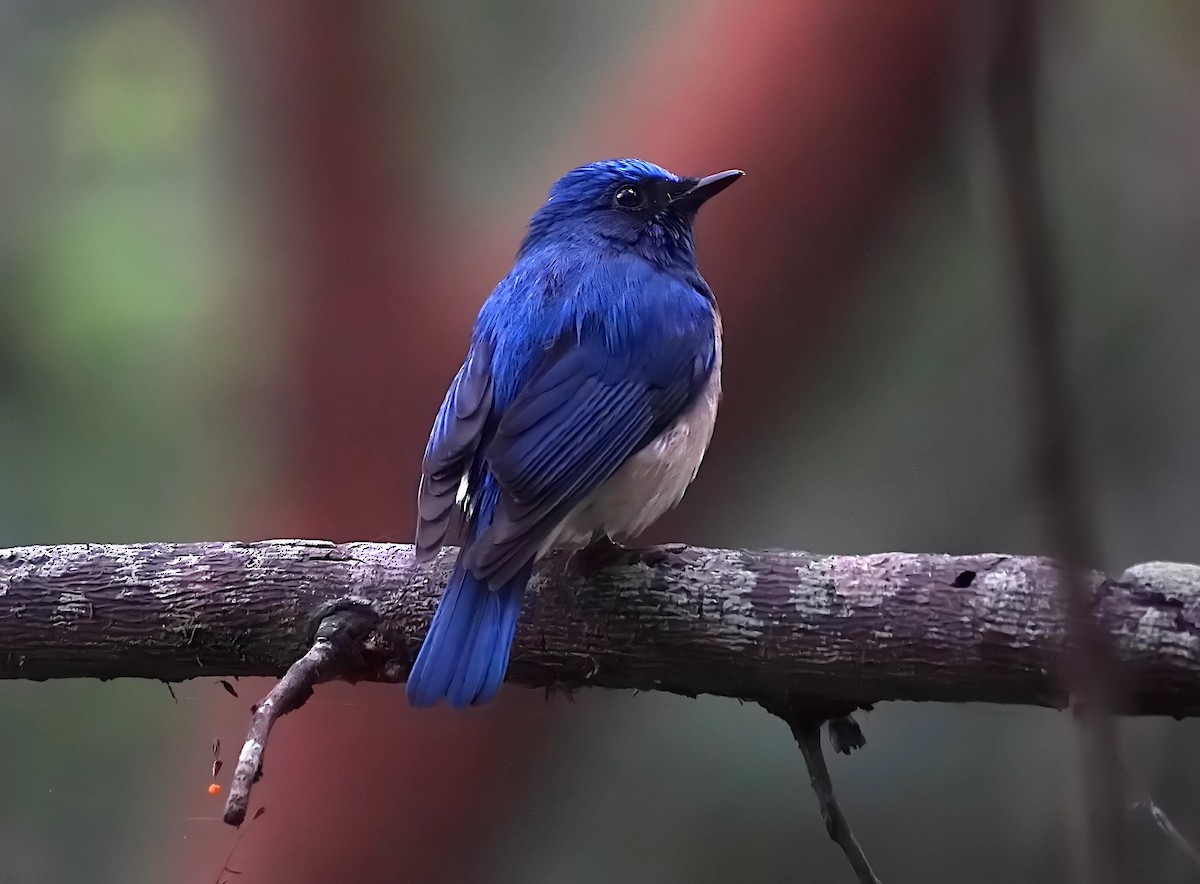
{"points": [[601, 553]]}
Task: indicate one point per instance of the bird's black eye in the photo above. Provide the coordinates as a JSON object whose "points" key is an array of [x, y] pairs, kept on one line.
{"points": [[628, 197]]}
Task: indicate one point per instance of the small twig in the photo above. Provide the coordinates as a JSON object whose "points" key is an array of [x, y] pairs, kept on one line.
{"points": [[1089, 669], [335, 650], [806, 728], [1168, 828]]}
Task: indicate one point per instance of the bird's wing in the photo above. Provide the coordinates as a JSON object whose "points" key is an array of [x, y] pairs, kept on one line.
{"points": [[453, 444], [579, 417]]}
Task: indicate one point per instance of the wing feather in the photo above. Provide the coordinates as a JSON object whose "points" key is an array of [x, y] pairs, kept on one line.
{"points": [[453, 445]]}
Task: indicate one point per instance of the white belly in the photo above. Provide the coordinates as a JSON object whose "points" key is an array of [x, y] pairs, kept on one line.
{"points": [[651, 481]]}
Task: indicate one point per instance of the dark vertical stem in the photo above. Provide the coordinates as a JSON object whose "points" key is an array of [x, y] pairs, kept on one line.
{"points": [[1088, 667], [808, 737], [805, 724]]}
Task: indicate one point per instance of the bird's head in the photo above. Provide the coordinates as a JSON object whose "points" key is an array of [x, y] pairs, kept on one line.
{"points": [[628, 204]]}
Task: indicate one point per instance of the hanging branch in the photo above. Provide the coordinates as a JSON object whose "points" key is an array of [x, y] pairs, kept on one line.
{"points": [[335, 651], [805, 721]]}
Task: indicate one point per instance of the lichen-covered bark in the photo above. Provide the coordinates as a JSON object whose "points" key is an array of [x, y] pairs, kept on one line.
{"points": [[855, 629]]}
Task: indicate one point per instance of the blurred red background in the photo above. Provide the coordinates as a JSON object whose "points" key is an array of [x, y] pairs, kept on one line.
{"points": [[826, 106]]}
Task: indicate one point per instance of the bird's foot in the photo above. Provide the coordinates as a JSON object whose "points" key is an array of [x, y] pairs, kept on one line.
{"points": [[601, 553]]}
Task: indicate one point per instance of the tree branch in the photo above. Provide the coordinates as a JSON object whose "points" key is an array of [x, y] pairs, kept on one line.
{"points": [[810, 638], [335, 650], [805, 723], [854, 630], [808, 737]]}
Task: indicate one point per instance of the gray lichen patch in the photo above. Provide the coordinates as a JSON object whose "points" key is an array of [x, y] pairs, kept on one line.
{"points": [[870, 582], [1158, 631], [1013, 598], [72, 605], [1173, 580], [733, 613]]}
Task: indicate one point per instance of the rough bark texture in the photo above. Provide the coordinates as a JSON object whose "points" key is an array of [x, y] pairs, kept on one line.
{"points": [[854, 629]]}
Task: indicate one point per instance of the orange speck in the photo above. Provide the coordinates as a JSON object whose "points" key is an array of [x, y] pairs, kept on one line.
{"points": [[214, 789]]}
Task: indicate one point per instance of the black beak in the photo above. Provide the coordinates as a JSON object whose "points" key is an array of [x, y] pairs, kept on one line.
{"points": [[706, 188]]}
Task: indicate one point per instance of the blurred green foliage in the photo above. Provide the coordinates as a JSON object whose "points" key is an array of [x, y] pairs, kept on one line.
{"points": [[123, 338]]}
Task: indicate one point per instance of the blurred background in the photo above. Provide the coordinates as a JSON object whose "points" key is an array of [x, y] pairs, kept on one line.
{"points": [[241, 246]]}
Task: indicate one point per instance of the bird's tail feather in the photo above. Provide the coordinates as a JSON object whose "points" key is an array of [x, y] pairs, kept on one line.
{"points": [[465, 654]]}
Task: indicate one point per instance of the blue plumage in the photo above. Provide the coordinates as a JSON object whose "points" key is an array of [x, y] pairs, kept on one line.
{"points": [[466, 653], [573, 414]]}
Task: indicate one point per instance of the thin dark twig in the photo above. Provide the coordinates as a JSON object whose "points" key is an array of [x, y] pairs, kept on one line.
{"points": [[809, 739], [226, 869], [334, 651], [1168, 828], [806, 728], [1089, 667]]}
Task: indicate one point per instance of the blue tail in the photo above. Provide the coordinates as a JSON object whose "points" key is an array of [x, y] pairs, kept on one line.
{"points": [[465, 654]]}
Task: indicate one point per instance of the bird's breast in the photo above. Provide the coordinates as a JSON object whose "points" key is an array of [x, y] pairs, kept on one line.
{"points": [[654, 479]]}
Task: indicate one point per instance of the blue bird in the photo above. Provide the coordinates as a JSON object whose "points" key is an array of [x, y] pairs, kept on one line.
{"points": [[582, 411]]}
